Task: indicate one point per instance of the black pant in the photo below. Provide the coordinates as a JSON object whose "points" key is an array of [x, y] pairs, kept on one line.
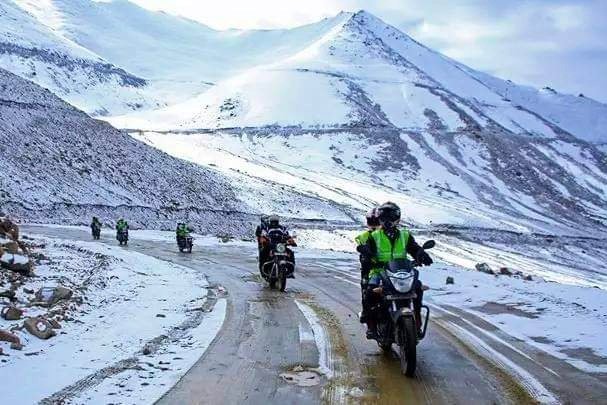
{"points": [[365, 268]]}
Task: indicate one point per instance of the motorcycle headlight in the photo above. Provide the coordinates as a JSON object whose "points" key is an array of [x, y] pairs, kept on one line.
{"points": [[403, 284], [281, 248]]}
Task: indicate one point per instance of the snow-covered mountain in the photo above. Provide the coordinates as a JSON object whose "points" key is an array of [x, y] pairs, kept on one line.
{"points": [[60, 165], [358, 71], [364, 113], [37, 52], [346, 112]]}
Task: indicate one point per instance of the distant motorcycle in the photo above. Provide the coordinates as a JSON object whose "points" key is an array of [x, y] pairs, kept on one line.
{"points": [[96, 231], [185, 243], [394, 312], [281, 265], [122, 237]]}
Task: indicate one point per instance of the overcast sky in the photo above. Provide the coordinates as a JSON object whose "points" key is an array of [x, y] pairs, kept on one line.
{"points": [[557, 43]]}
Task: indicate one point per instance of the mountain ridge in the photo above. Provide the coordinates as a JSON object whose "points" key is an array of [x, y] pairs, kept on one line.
{"points": [[350, 112]]}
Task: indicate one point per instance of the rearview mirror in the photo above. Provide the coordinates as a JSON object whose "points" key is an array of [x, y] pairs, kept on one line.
{"points": [[429, 244]]}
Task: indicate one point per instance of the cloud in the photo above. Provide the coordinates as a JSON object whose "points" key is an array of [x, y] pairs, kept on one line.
{"points": [[557, 43]]}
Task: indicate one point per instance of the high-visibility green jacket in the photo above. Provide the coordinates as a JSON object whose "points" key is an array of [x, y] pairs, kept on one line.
{"points": [[182, 231], [386, 250]]}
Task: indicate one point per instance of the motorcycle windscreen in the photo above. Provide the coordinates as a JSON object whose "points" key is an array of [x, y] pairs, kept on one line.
{"points": [[396, 265]]}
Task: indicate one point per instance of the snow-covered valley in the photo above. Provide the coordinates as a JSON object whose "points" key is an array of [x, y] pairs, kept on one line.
{"points": [[112, 110]]}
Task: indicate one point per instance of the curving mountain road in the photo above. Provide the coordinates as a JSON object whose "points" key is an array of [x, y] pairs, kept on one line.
{"points": [[307, 346]]}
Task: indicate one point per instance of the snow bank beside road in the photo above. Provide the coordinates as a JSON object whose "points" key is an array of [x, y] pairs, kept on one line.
{"points": [[136, 305], [569, 322]]}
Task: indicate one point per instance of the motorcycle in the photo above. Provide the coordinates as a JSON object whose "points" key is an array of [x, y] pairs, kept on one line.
{"points": [[396, 319], [96, 231], [185, 243], [122, 237], [280, 267]]}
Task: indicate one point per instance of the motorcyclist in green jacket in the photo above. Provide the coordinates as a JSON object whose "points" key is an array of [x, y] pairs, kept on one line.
{"points": [[122, 225], [386, 244], [366, 262], [182, 230]]}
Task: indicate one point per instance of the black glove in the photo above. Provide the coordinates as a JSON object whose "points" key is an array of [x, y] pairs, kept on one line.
{"points": [[363, 250], [424, 258]]}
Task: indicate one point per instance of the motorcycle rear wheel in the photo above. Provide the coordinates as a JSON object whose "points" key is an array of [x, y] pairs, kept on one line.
{"points": [[407, 348]]}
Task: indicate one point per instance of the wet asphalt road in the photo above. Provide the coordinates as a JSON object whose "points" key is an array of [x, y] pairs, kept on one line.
{"points": [[266, 334]]}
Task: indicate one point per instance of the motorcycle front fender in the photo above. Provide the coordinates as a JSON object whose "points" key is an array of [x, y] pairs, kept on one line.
{"points": [[401, 312]]}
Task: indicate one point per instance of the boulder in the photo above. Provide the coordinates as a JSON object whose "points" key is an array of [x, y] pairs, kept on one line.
{"points": [[11, 313], [484, 268], [39, 327], [450, 280], [16, 346], [11, 247], [9, 229], [528, 277], [49, 296], [17, 263], [505, 271], [8, 337]]}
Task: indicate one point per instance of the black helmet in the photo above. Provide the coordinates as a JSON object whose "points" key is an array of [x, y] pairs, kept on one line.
{"points": [[264, 219], [372, 218], [388, 214], [273, 220]]}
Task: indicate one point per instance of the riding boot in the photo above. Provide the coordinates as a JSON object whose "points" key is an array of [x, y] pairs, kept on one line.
{"points": [[364, 315], [371, 329]]}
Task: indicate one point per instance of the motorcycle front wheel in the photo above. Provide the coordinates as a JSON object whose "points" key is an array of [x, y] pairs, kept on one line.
{"points": [[407, 348], [282, 282]]}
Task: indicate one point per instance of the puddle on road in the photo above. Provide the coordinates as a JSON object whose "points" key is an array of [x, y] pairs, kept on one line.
{"points": [[303, 377]]}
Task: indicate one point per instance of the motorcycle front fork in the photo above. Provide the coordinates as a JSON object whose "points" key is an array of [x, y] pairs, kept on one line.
{"points": [[425, 319]]}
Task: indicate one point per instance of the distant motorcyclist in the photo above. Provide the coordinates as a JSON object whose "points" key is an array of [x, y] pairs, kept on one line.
{"points": [[274, 234], [182, 234], [122, 231], [366, 262], [182, 231], [96, 227], [122, 225], [386, 244]]}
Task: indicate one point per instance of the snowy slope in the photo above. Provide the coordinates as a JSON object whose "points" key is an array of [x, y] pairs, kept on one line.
{"points": [[60, 165], [365, 114], [352, 111], [156, 45], [37, 52], [358, 70], [351, 65]]}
